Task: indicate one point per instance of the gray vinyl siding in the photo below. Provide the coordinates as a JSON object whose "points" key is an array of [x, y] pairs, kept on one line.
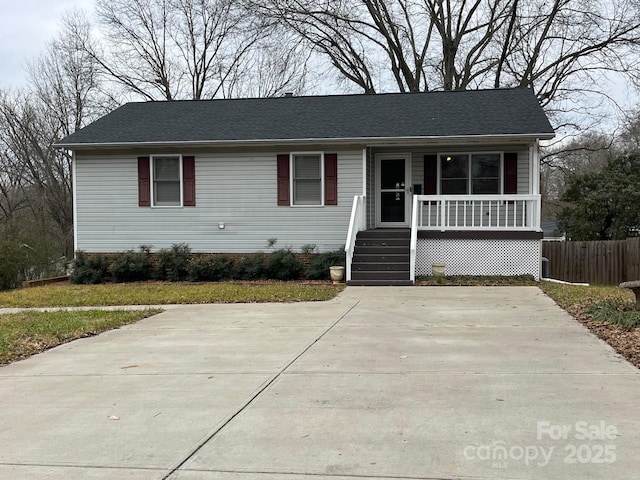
{"points": [[237, 189]]}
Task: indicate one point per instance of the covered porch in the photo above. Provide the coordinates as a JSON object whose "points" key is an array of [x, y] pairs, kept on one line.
{"points": [[475, 208]]}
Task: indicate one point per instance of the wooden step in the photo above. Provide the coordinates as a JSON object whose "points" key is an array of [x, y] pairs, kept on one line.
{"points": [[385, 233], [382, 242], [380, 283], [380, 275], [381, 250], [358, 266], [381, 257]]}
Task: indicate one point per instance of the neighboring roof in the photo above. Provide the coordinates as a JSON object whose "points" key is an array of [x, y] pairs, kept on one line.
{"points": [[550, 229], [500, 112]]}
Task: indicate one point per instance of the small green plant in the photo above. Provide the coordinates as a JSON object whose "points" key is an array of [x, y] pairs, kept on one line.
{"points": [[205, 268], [308, 248], [132, 266], [284, 265], [615, 311], [89, 269], [319, 264], [173, 263], [271, 242]]}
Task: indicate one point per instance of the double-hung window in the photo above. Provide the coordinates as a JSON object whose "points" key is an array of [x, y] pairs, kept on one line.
{"points": [[475, 174], [167, 181], [307, 178]]}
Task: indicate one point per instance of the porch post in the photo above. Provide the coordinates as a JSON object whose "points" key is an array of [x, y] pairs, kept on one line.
{"points": [[535, 187], [364, 171]]}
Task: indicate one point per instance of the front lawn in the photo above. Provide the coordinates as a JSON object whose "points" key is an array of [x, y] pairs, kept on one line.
{"points": [[162, 293], [23, 334]]}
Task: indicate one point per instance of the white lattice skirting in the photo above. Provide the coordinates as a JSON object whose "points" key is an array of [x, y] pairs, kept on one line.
{"points": [[479, 257]]}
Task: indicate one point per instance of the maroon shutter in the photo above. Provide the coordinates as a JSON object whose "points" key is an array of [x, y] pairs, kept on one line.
{"points": [[189, 181], [510, 173], [331, 179], [430, 174], [283, 179], [144, 182]]}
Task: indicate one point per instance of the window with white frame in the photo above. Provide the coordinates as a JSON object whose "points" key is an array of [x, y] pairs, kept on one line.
{"points": [[307, 178], [475, 174], [167, 181]]}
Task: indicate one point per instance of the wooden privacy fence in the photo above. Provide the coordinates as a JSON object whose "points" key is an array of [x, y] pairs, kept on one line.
{"points": [[601, 262]]}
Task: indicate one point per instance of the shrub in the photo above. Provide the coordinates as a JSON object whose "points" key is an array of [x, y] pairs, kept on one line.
{"points": [[204, 268], [251, 267], [13, 262], [131, 266], [173, 263], [284, 265], [319, 264], [89, 269]]}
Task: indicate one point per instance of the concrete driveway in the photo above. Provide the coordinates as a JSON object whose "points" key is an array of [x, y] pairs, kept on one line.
{"points": [[381, 382]]}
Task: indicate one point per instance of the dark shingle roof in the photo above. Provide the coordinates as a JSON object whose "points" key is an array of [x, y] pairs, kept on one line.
{"points": [[341, 117]]}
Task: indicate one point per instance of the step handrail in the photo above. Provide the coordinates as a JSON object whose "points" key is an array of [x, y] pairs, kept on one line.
{"points": [[357, 223], [413, 245]]}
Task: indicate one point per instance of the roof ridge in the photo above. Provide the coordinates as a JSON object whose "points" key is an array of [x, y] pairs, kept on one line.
{"points": [[326, 95]]}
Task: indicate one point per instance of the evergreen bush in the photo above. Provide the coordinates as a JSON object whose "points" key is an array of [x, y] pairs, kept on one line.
{"points": [[319, 264], [205, 268], [284, 265], [89, 269], [173, 263], [131, 266]]}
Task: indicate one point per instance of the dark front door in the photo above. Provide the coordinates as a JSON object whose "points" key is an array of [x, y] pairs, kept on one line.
{"points": [[393, 205]]}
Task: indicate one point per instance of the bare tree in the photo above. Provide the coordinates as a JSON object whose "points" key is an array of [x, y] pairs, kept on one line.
{"points": [[278, 64], [64, 95], [562, 49], [193, 49], [42, 172]]}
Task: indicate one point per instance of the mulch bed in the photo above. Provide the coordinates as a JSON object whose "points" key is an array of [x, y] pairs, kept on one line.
{"points": [[624, 340]]}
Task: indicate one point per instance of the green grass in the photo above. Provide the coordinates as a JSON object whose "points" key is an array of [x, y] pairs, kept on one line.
{"points": [[157, 293], [605, 303], [477, 280], [26, 333]]}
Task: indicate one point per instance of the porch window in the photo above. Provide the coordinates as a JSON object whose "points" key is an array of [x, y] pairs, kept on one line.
{"points": [[307, 179], [476, 174]]}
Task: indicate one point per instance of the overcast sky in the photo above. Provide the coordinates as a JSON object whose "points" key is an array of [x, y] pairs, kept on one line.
{"points": [[27, 25], [25, 28]]}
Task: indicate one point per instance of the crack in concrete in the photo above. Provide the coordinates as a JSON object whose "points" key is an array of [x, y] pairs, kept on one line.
{"points": [[253, 397]]}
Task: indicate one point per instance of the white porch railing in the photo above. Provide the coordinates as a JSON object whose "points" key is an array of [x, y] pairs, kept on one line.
{"points": [[357, 223], [476, 212], [471, 212]]}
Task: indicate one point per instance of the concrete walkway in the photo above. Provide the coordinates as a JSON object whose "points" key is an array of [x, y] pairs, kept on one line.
{"points": [[381, 382]]}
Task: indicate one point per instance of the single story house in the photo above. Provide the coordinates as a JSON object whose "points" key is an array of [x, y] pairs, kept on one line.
{"points": [[401, 181]]}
